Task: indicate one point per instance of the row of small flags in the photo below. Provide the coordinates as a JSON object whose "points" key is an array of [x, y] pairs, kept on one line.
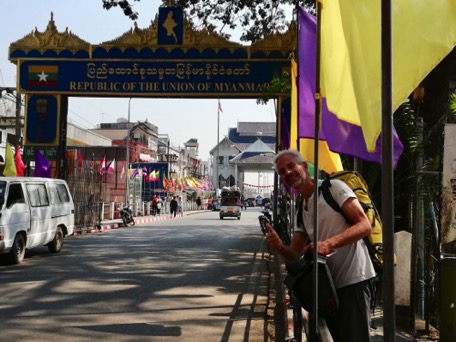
{"points": [[104, 167], [258, 186], [187, 183], [152, 176], [15, 167]]}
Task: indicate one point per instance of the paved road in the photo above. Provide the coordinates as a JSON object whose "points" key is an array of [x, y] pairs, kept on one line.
{"points": [[195, 278]]}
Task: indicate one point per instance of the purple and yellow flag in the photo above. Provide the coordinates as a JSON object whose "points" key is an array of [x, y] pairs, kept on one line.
{"points": [[423, 33], [42, 76], [341, 136]]}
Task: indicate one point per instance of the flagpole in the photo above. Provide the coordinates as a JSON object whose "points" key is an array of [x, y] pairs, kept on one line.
{"points": [[127, 181], [388, 288], [314, 330], [217, 149]]}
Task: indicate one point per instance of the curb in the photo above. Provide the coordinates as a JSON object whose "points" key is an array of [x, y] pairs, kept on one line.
{"points": [[114, 224]]}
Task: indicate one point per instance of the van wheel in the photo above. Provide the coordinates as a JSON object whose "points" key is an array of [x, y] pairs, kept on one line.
{"points": [[55, 246], [17, 252], [239, 217]]}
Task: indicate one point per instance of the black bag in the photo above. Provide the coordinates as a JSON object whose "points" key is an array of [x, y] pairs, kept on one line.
{"points": [[299, 280]]}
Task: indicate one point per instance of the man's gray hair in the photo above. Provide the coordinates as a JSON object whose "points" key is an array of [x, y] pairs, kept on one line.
{"points": [[291, 152]]}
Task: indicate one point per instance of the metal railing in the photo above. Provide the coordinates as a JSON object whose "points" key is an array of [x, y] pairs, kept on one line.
{"points": [[94, 214]]}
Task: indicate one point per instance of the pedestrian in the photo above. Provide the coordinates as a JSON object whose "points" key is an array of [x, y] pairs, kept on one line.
{"points": [[179, 206], [198, 203], [350, 266], [154, 205], [159, 205], [173, 207]]}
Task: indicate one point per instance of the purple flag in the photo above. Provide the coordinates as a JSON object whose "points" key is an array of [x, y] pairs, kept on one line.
{"points": [[342, 137], [42, 166], [285, 134]]}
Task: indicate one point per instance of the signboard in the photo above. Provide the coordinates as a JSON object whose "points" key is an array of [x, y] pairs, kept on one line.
{"points": [[41, 120], [149, 78], [49, 152]]}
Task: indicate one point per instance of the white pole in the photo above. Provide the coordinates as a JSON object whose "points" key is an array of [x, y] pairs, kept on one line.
{"points": [[127, 186], [217, 185]]}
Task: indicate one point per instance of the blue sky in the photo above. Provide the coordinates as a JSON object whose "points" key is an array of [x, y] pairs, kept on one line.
{"points": [[181, 119]]}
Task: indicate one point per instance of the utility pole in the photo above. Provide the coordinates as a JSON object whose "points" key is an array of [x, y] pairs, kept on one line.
{"points": [[18, 119], [127, 184]]}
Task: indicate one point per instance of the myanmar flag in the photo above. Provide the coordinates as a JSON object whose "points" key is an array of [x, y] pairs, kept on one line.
{"points": [[42, 76]]}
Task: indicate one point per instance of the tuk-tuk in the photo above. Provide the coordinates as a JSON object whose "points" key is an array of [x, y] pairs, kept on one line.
{"points": [[230, 205]]}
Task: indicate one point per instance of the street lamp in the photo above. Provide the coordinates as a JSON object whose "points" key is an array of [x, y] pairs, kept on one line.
{"points": [[127, 186], [217, 155]]}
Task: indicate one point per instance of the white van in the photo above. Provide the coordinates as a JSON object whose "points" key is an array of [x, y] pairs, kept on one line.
{"points": [[34, 212]]}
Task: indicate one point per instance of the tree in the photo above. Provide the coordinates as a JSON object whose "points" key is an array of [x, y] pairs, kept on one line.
{"points": [[124, 5], [257, 18]]}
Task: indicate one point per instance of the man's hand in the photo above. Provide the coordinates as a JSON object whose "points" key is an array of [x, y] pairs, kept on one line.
{"points": [[324, 248], [273, 239]]}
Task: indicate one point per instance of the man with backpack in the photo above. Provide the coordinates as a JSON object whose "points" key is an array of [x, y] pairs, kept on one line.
{"points": [[348, 261]]}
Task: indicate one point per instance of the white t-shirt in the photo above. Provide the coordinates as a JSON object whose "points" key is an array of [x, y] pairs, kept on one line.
{"points": [[350, 264]]}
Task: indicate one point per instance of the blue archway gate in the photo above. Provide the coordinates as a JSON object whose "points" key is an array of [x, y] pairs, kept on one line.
{"points": [[168, 59]]}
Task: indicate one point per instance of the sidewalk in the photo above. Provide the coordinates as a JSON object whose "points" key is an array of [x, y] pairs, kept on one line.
{"points": [[113, 224], [403, 331]]}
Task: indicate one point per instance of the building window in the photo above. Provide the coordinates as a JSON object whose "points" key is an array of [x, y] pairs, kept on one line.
{"points": [[221, 159]]}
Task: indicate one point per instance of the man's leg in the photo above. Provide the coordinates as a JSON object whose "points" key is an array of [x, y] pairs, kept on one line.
{"points": [[352, 320]]}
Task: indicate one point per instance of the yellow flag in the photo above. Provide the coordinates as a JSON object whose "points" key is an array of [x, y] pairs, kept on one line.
{"points": [[424, 32], [10, 164], [327, 160]]}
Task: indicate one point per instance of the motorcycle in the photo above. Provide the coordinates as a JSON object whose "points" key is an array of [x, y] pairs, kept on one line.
{"points": [[264, 219], [127, 216]]}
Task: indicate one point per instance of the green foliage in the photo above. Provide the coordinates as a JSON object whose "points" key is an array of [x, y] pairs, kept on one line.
{"points": [[256, 18], [453, 102], [124, 5], [279, 85]]}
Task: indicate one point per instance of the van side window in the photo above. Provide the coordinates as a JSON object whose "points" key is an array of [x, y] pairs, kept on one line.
{"points": [[2, 192], [15, 195], [59, 193], [63, 193], [38, 195]]}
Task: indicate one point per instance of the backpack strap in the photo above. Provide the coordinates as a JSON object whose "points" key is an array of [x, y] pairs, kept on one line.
{"points": [[324, 190], [300, 203]]}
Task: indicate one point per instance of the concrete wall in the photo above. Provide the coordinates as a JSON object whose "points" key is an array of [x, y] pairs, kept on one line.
{"points": [[77, 136], [402, 271]]}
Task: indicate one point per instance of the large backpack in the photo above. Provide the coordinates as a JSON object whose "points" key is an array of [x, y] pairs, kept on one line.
{"points": [[355, 181]]}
